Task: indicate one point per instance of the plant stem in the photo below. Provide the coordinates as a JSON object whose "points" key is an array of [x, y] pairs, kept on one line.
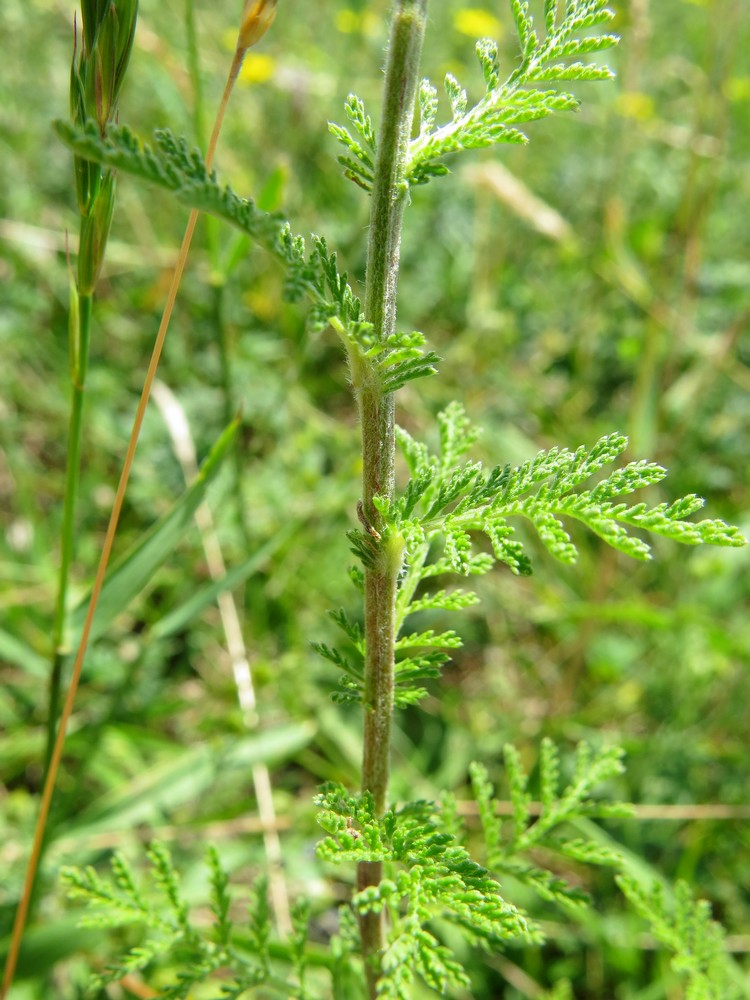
{"points": [[196, 83], [79, 366], [199, 121], [51, 774], [218, 277], [378, 441]]}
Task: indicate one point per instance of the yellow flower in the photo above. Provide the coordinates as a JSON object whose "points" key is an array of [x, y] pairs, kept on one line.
{"points": [[738, 88], [257, 68], [633, 104], [476, 23], [347, 21]]}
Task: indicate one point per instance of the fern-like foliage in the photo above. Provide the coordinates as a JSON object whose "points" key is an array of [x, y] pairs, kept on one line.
{"points": [[205, 955], [428, 876], [449, 501], [505, 104], [549, 57], [697, 942], [359, 161], [452, 498], [508, 854], [311, 271]]}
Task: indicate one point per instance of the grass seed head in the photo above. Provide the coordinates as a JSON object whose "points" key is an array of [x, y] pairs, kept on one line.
{"points": [[257, 18]]}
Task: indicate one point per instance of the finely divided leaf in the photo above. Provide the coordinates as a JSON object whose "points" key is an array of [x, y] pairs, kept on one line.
{"points": [[507, 103]]}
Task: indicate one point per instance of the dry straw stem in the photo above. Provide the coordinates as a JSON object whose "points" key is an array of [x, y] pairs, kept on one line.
{"points": [[182, 441], [257, 18], [688, 812]]}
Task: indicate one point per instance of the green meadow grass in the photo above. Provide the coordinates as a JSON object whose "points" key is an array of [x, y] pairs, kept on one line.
{"points": [[607, 290]]}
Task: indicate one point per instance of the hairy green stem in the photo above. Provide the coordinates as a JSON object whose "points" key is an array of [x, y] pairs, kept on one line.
{"points": [[378, 442], [80, 338]]}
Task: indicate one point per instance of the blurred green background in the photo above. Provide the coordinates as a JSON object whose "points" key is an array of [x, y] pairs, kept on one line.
{"points": [[594, 280]]}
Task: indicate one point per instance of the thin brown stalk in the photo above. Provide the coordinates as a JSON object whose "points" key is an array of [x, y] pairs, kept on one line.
{"points": [[51, 776]]}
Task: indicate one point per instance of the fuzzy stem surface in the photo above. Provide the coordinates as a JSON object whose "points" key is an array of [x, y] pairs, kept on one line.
{"points": [[376, 410]]}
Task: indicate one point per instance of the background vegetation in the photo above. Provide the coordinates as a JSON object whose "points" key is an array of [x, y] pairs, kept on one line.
{"points": [[600, 284]]}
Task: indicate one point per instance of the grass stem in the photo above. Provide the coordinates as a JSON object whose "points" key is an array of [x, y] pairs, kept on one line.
{"points": [[79, 367], [56, 755]]}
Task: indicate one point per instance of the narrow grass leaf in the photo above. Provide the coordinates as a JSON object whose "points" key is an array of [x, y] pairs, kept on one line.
{"points": [[205, 596], [128, 578], [192, 774]]}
